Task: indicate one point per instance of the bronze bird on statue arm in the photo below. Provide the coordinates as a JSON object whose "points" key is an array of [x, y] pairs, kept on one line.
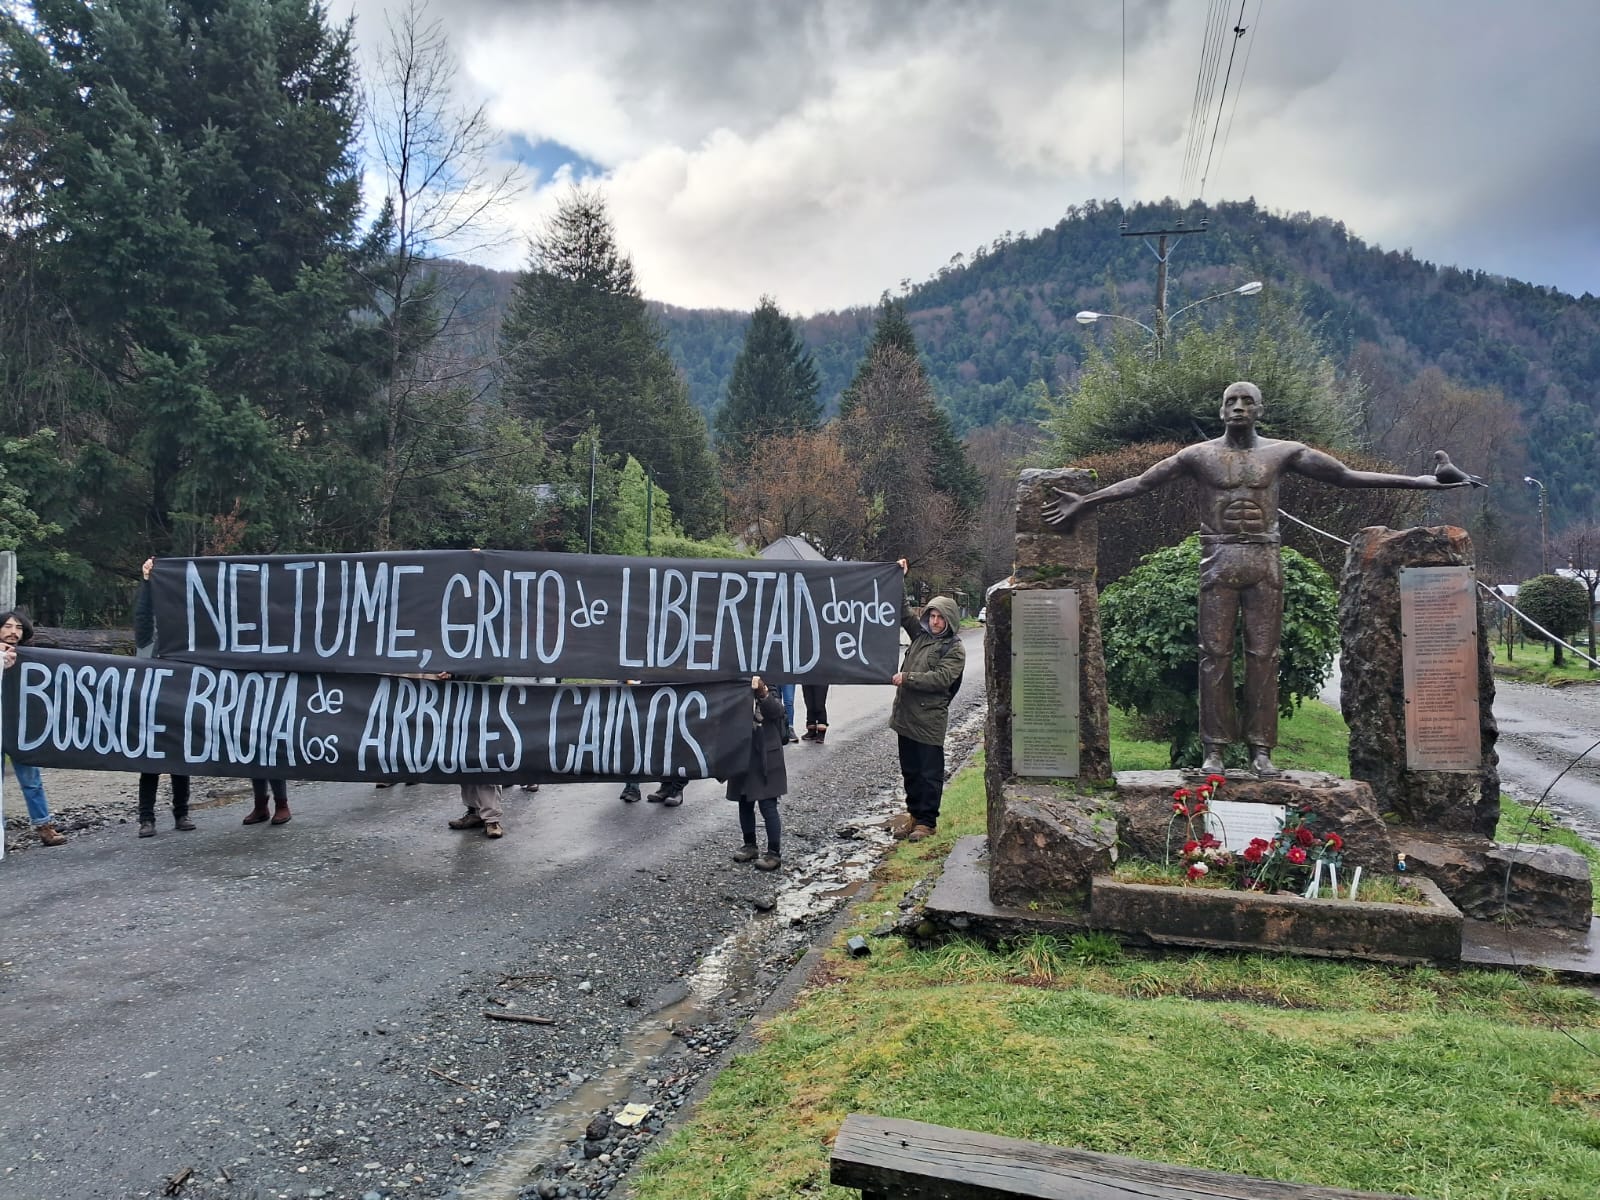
{"points": [[1446, 471]]}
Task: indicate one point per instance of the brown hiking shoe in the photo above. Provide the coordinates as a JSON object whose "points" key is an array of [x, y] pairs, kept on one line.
{"points": [[920, 834], [902, 825], [468, 820], [768, 861], [493, 830], [49, 835]]}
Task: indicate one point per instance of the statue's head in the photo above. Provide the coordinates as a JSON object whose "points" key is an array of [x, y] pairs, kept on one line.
{"points": [[1241, 404]]}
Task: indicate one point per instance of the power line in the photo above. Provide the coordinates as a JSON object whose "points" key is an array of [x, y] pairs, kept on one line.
{"points": [[1124, 194], [1194, 103], [1243, 71], [1210, 58], [1238, 33]]}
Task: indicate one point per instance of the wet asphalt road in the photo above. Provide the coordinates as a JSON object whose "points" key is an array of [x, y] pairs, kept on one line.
{"points": [[297, 1011], [1542, 730]]}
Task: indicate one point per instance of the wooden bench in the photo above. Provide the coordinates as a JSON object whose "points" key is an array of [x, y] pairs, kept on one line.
{"points": [[888, 1159]]}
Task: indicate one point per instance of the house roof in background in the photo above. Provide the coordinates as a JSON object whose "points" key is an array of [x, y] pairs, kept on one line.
{"points": [[789, 546]]}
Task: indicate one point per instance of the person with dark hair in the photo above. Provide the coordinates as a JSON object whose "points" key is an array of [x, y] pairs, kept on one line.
{"points": [[928, 679], [16, 630], [762, 781], [144, 640], [280, 802]]}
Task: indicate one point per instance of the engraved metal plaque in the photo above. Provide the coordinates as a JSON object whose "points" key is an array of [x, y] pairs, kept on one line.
{"points": [[1044, 683], [1439, 636], [1234, 823]]}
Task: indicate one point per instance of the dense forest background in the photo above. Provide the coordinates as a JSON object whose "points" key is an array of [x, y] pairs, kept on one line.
{"points": [[997, 332]]}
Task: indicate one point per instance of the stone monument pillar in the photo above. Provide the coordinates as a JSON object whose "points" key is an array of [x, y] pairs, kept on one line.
{"points": [[1418, 683], [1047, 725]]}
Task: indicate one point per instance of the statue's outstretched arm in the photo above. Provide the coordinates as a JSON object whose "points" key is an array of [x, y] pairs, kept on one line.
{"points": [[1325, 467], [1069, 506]]}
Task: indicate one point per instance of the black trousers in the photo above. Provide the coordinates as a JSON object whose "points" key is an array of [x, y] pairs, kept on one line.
{"points": [[280, 790], [922, 766], [769, 818], [816, 697], [147, 796]]}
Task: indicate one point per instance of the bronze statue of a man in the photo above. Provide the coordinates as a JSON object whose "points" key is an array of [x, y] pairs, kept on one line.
{"points": [[1241, 568]]}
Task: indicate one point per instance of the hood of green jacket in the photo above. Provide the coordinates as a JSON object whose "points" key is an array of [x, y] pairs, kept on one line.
{"points": [[948, 610]]}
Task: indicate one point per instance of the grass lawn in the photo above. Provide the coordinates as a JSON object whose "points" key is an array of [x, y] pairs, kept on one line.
{"points": [[1314, 739], [1466, 1085], [1534, 662]]}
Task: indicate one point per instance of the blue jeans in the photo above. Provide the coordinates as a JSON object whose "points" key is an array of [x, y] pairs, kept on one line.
{"points": [[32, 791], [787, 690]]}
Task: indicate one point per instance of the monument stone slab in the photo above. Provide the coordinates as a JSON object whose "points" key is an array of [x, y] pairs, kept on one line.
{"points": [[1044, 683], [1439, 644]]}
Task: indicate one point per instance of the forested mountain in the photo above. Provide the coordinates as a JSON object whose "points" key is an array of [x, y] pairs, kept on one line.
{"points": [[992, 321]]}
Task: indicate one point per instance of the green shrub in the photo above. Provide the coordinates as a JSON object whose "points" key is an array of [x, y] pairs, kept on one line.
{"points": [[1560, 604], [1148, 621], [686, 547]]}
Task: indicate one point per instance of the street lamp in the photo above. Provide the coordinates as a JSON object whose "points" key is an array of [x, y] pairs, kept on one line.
{"points": [[1544, 527], [1089, 316]]}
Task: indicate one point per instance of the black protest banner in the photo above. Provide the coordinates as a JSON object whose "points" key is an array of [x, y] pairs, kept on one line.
{"points": [[104, 712], [499, 612]]}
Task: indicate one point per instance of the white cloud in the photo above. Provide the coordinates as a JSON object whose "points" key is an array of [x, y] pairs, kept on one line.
{"points": [[821, 152]]}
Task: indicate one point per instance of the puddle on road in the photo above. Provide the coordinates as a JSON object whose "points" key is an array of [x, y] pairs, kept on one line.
{"points": [[818, 886]]}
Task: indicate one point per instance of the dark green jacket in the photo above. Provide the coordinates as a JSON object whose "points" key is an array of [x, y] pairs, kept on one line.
{"points": [[932, 669]]}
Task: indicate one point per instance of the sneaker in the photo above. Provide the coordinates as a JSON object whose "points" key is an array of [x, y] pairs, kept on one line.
{"points": [[147, 829], [468, 820], [768, 862], [920, 834], [658, 796], [901, 825], [672, 800], [493, 829], [530, 787], [183, 823], [746, 853], [630, 795], [49, 835]]}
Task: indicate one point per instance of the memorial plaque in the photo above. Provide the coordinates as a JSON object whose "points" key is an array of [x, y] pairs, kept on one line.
{"points": [[1439, 636], [1044, 683], [1234, 823]]}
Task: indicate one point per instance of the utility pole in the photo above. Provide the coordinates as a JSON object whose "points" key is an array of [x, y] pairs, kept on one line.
{"points": [[649, 508], [1163, 253]]}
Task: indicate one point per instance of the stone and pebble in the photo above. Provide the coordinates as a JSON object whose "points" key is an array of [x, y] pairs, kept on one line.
{"points": [[424, 1102]]}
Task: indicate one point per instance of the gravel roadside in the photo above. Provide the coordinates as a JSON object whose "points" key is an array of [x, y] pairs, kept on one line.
{"points": [[434, 1099], [81, 801]]}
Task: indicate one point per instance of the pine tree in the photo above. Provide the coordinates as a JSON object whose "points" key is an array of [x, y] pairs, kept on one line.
{"points": [[773, 389], [892, 329], [952, 475], [180, 194], [581, 348]]}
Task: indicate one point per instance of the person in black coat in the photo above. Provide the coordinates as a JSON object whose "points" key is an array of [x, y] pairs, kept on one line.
{"points": [[763, 781], [144, 639]]}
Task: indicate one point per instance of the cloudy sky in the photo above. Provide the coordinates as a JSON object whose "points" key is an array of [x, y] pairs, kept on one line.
{"points": [[823, 150]]}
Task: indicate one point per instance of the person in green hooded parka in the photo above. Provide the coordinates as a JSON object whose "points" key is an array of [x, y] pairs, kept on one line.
{"points": [[928, 679]]}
